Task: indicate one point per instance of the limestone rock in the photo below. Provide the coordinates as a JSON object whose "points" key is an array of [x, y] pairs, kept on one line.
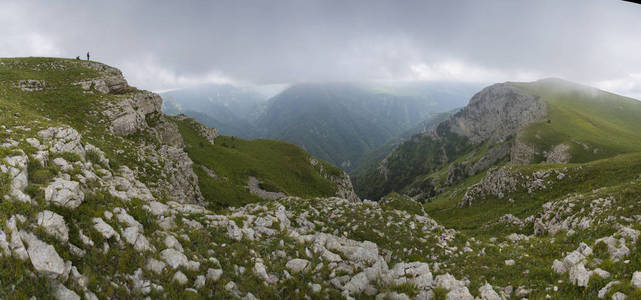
{"points": [[131, 114], [105, 229], [62, 139], [17, 170], [636, 280], [297, 265], [61, 292], [155, 265], [53, 224], [559, 155], [495, 113], [214, 274], [64, 193], [174, 258], [43, 256], [134, 236], [487, 292], [180, 278]]}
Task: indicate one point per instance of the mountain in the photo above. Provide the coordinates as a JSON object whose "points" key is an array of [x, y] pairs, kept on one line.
{"points": [[340, 122], [230, 108], [550, 121]]}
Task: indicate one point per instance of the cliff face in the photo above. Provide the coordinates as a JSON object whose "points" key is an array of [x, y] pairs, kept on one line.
{"points": [[496, 113]]}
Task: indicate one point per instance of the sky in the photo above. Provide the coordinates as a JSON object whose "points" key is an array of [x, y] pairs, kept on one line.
{"points": [[161, 45]]}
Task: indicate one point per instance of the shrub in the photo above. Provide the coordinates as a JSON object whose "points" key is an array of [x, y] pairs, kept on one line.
{"points": [[41, 176], [93, 156]]}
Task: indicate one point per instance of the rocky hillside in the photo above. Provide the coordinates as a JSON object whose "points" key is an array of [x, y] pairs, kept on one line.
{"points": [[550, 121], [103, 196]]}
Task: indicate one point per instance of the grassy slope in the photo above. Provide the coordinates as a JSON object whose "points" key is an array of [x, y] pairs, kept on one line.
{"points": [[616, 176], [605, 121], [280, 164]]}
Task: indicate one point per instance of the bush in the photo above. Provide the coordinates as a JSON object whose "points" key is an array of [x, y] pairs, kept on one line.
{"points": [[269, 187], [41, 176], [93, 156]]}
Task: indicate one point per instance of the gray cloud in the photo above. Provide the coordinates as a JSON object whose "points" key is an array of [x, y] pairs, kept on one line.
{"points": [[168, 44]]}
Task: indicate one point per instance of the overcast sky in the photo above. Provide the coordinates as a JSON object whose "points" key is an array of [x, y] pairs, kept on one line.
{"points": [[171, 44]]}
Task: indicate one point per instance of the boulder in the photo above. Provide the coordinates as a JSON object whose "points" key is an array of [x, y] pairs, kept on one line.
{"points": [[180, 278], [579, 276], [486, 292], [174, 258], [105, 229], [636, 280], [64, 193], [459, 293], [134, 236], [297, 265], [43, 256], [53, 224]]}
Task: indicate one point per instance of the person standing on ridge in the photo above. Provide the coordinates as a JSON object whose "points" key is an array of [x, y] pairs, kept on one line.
{"points": [[87, 55]]}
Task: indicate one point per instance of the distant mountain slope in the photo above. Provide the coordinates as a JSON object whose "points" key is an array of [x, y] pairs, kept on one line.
{"points": [[230, 108], [550, 120], [339, 122]]}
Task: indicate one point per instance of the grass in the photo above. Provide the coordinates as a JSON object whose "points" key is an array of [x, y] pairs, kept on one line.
{"points": [[609, 123], [281, 166]]}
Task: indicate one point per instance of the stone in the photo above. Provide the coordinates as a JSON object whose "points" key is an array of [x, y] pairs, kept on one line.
{"points": [[487, 292], [356, 284], [509, 262], [63, 139], [171, 242], [636, 280], [155, 265], [297, 265], [62, 164], [606, 289], [619, 296], [459, 293], [17, 170], [200, 282], [447, 282], [180, 278], [15, 243], [105, 229], [132, 235], [124, 217], [53, 224], [579, 276], [43, 256], [64, 193], [158, 209], [214, 274], [61, 292], [174, 258]]}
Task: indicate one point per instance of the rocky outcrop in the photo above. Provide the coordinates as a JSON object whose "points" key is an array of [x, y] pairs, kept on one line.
{"points": [[344, 187], [17, 170], [254, 188], [496, 113], [64, 193], [559, 155], [111, 81], [182, 181], [30, 85], [501, 181], [521, 153], [132, 113], [461, 170], [210, 134]]}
